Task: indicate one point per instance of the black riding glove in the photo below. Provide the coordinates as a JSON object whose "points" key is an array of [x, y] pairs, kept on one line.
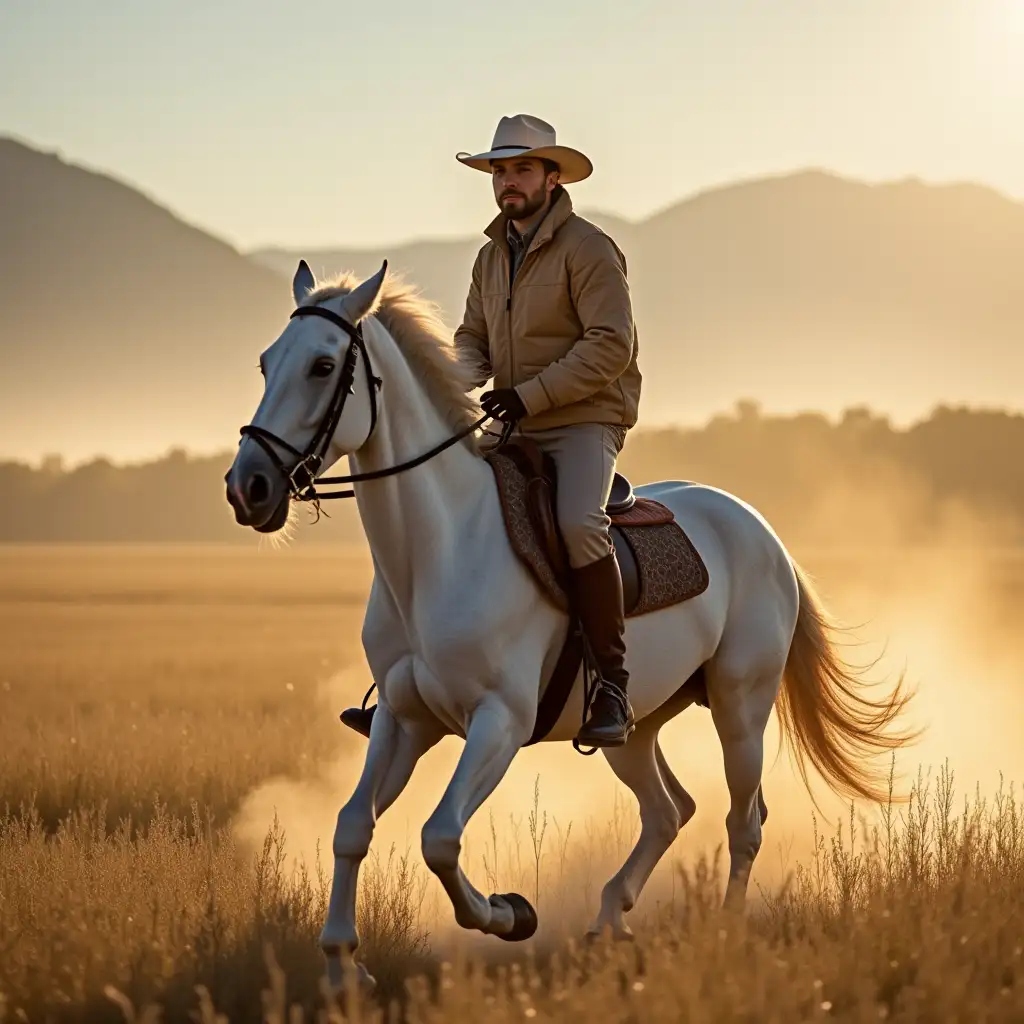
{"points": [[503, 404]]}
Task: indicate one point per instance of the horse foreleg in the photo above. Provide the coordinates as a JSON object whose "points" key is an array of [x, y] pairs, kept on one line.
{"points": [[391, 757], [492, 741], [664, 808]]}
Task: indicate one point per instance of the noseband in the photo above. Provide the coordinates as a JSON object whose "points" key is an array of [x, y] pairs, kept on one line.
{"points": [[302, 476]]}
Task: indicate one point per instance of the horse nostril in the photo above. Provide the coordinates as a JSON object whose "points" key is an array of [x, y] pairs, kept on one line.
{"points": [[258, 491]]}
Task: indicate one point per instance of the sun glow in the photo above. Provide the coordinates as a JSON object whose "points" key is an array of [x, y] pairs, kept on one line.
{"points": [[1001, 39], [1009, 21]]}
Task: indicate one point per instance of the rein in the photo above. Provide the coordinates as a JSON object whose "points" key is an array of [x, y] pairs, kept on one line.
{"points": [[302, 477]]}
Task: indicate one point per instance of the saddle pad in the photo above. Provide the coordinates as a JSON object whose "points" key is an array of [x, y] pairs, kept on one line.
{"points": [[521, 534], [670, 568]]}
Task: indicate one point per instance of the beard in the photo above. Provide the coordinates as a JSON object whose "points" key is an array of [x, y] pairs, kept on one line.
{"points": [[520, 206]]}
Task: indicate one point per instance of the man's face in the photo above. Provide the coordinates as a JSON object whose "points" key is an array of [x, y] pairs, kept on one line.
{"points": [[521, 187]]}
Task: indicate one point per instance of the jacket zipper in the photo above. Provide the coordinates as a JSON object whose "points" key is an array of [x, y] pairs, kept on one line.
{"points": [[508, 322], [508, 307]]}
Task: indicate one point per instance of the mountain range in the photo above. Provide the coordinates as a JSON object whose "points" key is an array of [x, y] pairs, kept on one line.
{"points": [[125, 330]]}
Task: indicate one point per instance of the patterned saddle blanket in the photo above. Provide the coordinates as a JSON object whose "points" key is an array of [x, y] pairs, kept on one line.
{"points": [[659, 565]]}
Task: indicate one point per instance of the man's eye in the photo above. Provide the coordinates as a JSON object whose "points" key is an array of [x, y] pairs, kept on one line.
{"points": [[323, 367]]}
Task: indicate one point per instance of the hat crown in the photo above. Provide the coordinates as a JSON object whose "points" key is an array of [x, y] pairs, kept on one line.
{"points": [[523, 131]]}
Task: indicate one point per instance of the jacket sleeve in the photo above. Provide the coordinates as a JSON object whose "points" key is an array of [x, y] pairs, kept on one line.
{"points": [[471, 341], [597, 282]]}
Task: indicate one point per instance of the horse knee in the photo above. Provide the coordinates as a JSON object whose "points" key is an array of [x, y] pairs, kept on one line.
{"points": [[441, 845], [352, 833]]}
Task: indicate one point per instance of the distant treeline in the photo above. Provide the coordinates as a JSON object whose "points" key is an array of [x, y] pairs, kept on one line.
{"points": [[958, 475]]}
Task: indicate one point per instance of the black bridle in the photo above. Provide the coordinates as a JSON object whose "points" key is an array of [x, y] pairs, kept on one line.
{"points": [[302, 476]]}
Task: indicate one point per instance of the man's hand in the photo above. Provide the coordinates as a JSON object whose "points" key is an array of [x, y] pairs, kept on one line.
{"points": [[503, 404]]}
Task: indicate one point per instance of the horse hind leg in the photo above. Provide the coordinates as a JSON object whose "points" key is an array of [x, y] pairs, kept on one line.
{"points": [[740, 715], [664, 808]]}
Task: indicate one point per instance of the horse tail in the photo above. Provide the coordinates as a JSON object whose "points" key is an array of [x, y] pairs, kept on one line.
{"points": [[825, 717]]}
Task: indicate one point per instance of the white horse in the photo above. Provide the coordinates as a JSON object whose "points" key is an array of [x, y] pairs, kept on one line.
{"points": [[459, 639]]}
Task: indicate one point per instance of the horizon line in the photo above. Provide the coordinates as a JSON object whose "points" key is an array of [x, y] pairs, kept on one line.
{"points": [[745, 181], [734, 413], [809, 170]]}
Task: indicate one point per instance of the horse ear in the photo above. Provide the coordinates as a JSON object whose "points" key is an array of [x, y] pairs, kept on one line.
{"points": [[362, 301], [303, 282]]}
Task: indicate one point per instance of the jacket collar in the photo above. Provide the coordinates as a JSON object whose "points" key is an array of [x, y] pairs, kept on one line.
{"points": [[559, 212]]}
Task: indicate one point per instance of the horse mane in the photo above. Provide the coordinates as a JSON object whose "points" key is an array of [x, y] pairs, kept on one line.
{"points": [[415, 323]]}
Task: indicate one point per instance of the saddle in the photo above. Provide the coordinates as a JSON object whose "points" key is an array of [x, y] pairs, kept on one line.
{"points": [[658, 563]]}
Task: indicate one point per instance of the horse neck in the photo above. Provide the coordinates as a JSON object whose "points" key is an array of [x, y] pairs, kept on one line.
{"points": [[414, 519]]}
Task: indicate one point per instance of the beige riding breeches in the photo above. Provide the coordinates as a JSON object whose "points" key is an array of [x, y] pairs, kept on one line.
{"points": [[584, 455]]}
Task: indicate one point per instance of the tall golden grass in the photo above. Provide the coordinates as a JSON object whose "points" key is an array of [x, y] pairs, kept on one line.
{"points": [[145, 693]]}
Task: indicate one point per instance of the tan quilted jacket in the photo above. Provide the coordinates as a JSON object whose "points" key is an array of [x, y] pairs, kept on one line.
{"points": [[563, 335]]}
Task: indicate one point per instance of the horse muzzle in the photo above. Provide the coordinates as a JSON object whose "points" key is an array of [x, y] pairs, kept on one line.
{"points": [[258, 498]]}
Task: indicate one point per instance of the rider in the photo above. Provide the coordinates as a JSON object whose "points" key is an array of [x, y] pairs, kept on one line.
{"points": [[549, 317]]}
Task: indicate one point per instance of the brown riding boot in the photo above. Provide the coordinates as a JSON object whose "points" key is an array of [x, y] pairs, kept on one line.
{"points": [[598, 595]]}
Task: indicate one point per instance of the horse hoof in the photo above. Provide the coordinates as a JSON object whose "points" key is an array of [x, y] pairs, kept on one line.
{"points": [[524, 916], [338, 975]]}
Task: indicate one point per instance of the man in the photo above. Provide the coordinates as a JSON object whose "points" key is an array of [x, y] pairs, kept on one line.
{"points": [[549, 318]]}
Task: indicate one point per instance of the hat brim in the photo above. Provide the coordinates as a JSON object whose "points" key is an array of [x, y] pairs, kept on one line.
{"points": [[572, 164]]}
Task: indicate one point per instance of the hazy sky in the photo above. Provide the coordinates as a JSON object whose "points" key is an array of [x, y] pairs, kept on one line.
{"points": [[311, 123]]}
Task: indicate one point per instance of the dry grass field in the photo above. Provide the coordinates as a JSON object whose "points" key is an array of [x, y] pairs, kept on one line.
{"points": [[170, 760]]}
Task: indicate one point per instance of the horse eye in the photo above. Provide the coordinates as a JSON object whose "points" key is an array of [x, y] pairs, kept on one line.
{"points": [[322, 367]]}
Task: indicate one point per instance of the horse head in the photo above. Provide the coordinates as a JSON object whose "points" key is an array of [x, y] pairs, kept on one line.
{"points": [[319, 402]]}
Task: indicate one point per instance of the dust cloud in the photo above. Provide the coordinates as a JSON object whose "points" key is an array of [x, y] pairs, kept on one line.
{"points": [[945, 612]]}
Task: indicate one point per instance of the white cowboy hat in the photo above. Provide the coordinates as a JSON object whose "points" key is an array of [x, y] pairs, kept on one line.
{"points": [[524, 135]]}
